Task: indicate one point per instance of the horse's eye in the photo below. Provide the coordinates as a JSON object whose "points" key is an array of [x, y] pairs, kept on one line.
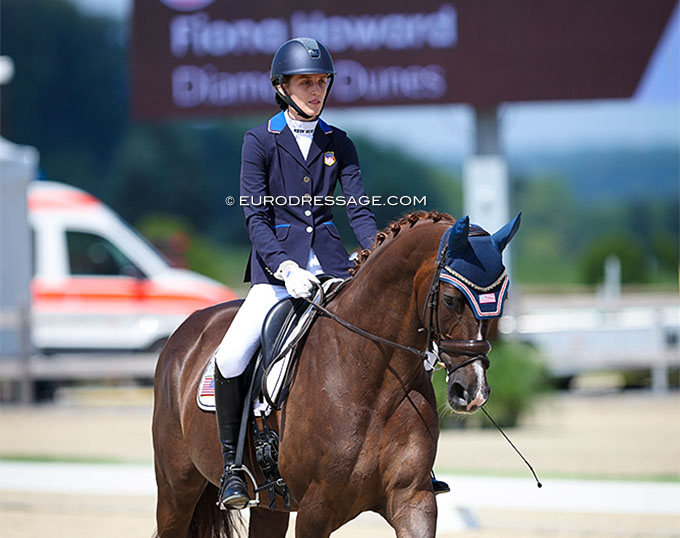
{"points": [[452, 301]]}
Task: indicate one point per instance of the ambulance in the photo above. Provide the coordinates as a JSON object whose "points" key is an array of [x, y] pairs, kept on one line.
{"points": [[97, 284]]}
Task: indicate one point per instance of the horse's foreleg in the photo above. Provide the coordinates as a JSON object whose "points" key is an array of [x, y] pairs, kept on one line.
{"points": [[412, 513], [267, 524], [315, 516]]}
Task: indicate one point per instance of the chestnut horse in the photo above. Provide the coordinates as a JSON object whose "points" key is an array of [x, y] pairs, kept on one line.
{"points": [[359, 429]]}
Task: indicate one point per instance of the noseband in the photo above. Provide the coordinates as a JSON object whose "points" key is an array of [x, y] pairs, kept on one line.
{"points": [[477, 350]]}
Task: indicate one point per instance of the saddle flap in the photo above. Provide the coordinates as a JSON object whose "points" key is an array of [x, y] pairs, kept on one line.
{"points": [[280, 320], [286, 326]]}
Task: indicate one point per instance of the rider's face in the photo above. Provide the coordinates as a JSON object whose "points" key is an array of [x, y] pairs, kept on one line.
{"points": [[308, 92]]}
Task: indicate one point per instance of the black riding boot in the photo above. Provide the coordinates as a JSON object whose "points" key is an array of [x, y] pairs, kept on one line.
{"points": [[228, 408]]}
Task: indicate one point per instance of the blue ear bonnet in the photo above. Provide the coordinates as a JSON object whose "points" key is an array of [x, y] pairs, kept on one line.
{"points": [[473, 264]]}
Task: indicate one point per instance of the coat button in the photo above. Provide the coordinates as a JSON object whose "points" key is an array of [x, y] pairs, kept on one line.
{"points": [[307, 212], [306, 179], [309, 229]]}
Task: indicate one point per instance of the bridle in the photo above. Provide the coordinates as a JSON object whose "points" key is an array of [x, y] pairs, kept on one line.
{"points": [[476, 350]]}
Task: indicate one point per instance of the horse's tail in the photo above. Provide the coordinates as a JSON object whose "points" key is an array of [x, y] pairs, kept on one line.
{"points": [[209, 521]]}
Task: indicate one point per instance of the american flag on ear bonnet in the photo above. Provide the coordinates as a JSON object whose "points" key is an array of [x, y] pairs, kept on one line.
{"points": [[474, 264]]}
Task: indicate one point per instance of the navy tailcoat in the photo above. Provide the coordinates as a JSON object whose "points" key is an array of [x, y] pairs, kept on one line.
{"points": [[272, 165]]}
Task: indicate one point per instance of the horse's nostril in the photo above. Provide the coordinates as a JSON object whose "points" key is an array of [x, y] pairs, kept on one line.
{"points": [[458, 391]]}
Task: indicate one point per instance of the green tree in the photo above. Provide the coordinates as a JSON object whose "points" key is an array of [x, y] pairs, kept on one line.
{"points": [[634, 264], [69, 93], [169, 168], [549, 232]]}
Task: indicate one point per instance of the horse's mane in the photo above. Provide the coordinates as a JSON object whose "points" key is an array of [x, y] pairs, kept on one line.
{"points": [[392, 230]]}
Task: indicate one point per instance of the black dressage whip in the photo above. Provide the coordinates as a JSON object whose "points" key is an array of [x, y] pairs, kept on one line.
{"points": [[538, 482]]}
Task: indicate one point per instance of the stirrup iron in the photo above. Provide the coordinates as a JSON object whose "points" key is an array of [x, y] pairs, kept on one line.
{"points": [[252, 503]]}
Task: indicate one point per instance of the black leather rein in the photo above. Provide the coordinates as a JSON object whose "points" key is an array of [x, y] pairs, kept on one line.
{"points": [[477, 350]]}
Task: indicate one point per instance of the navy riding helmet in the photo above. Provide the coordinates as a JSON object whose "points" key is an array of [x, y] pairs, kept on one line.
{"points": [[300, 56]]}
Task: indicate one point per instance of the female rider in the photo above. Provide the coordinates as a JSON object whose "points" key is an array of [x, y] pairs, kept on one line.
{"points": [[294, 155]]}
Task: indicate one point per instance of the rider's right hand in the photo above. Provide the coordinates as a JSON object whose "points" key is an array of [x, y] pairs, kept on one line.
{"points": [[299, 282]]}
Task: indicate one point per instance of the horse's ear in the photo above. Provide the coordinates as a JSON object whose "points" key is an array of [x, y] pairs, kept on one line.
{"points": [[458, 238], [503, 236]]}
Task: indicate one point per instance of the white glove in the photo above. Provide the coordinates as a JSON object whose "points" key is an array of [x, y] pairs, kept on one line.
{"points": [[432, 358], [299, 282]]}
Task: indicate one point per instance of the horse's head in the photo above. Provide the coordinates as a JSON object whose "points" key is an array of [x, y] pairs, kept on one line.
{"points": [[467, 292]]}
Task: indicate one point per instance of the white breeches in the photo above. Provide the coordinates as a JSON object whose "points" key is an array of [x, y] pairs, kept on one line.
{"points": [[238, 345], [243, 336]]}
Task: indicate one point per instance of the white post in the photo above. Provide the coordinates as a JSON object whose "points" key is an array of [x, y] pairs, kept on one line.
{"points": [[611, 288], [486, 191]]}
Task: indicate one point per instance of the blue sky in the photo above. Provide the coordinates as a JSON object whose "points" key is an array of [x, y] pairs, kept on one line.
{"points": [[650, 119]]}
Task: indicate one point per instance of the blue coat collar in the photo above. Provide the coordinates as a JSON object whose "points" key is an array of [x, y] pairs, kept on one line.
{"points": [[278, 123], [327, 129]]}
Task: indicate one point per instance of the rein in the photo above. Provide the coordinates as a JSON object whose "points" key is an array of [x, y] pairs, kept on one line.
{"points": [[364, 333], [477, 350]]}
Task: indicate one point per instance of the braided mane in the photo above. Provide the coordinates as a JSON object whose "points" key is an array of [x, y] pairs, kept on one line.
{"points": [[392, 230]]}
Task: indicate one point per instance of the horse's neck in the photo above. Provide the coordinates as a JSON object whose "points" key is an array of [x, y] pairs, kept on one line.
{"points": [[382, 297]]}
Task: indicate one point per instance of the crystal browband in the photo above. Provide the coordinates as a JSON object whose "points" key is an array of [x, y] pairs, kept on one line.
{"points": [[472, 284]]}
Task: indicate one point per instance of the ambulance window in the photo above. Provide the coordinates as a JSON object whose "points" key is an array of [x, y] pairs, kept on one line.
{"points": [[91, 254]]}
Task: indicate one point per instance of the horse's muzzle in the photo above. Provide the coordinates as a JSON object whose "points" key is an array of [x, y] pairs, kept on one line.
{"points": [[465, 396], [468, 389]]}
